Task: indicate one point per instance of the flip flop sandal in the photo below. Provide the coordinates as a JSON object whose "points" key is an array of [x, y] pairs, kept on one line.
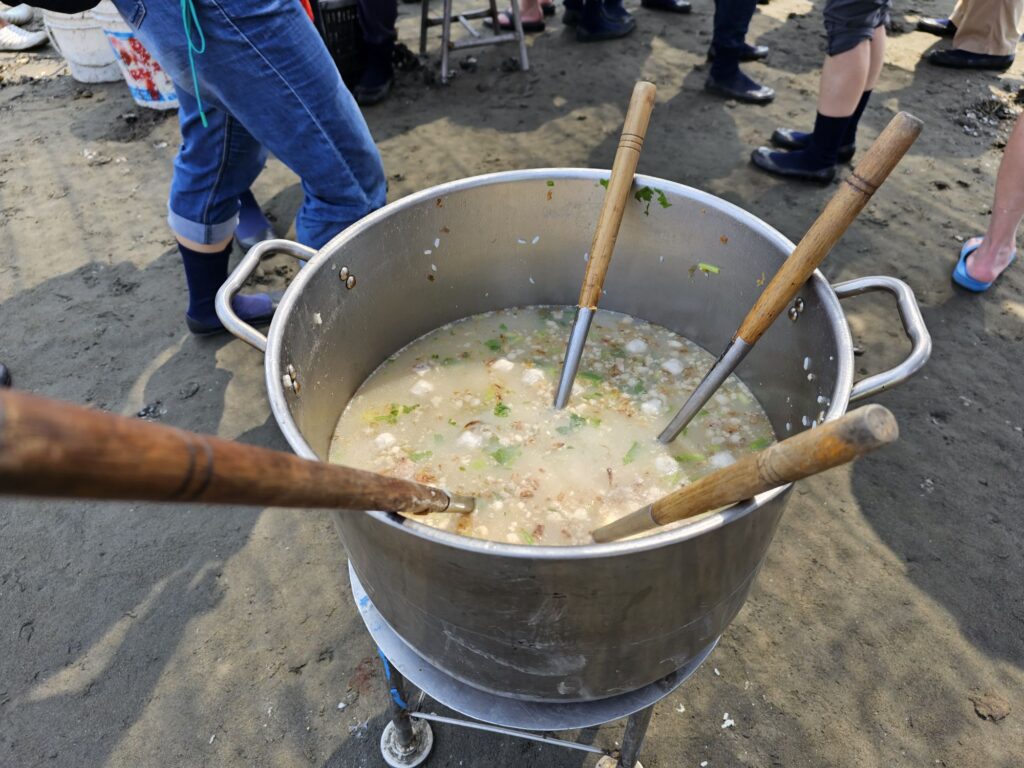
{"points": [[963, 279], [505, 22]]}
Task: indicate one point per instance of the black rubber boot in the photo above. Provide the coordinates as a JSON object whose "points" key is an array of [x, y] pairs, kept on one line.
{"points": [[375, 84]]}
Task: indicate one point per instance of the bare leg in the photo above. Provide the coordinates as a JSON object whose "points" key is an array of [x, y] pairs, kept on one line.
{"points": [[845, 76], [192, 245], [877, 57], [993, 255], [844, 79]]}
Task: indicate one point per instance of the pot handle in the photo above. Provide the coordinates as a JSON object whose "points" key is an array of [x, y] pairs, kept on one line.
{"points": [[235, 325], [913, 324]]}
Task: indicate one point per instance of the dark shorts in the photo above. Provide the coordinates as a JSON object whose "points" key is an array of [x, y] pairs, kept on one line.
{"points": [[851, 22]]}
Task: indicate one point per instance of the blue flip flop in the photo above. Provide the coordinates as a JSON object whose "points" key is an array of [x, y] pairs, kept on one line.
{"points": [[960, 275]]}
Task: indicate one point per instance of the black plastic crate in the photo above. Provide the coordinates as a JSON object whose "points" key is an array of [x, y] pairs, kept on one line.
{"points": [[338, 21]]}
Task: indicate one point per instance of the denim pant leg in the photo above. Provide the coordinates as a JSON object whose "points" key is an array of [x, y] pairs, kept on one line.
{"points": [[377, 21], [265, 66], [214, 166], [732, 20]]}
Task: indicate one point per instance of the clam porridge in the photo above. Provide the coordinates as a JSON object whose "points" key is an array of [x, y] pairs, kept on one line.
{"points": [[468, 408]]}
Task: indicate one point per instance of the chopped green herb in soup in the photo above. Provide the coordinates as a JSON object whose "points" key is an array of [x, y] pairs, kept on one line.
{"points": [[468, 408]]}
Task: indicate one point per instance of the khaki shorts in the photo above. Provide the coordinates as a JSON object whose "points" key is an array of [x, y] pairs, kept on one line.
{"points": [[851, 22]]}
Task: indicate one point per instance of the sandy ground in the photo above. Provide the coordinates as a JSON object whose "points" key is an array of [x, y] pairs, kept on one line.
{"points": [[170, 636]]}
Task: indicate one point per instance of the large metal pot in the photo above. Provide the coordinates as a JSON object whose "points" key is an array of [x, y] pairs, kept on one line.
{"points": [[554, 623]]}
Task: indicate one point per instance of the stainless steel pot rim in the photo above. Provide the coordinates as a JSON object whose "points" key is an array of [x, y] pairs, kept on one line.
{"points": [[699, 526]]}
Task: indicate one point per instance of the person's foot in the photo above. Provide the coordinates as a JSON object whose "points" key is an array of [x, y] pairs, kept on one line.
{"points": [[747, 52], [794, 165], [616, 10], [256, 309], [978, 272], [961, 59], [5, 376], [253, 227], [939, 27], [739, 87], [787, 138], [14, 38], [596, 25], [506, 23], [18, 15], [672, 6], [375, 84]]}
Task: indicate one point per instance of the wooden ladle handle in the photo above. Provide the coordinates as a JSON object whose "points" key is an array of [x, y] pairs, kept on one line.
{"points": [[808, 453], [55, 449], [853, 194], [638, 117]]}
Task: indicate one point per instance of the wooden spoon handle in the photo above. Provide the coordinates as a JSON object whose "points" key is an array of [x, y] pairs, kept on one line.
{"points": [[55, 449], [808, 453], [853, 194], [627, 156]]}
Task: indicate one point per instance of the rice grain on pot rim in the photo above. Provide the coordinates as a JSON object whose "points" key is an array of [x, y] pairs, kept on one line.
{"points": [[467, 407]]}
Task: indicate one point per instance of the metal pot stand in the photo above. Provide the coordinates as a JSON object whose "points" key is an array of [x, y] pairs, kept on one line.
{"points": [[408, 739]]}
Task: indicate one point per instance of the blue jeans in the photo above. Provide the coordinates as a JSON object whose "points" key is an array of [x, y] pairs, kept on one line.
{"points": [[267, 81]]}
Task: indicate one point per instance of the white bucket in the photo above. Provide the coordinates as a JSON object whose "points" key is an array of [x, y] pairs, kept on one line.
{"points": [[149, 84], [79, 39]]}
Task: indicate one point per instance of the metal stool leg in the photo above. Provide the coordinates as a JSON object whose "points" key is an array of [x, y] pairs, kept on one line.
{"points": [[517, 26], [424, 24], [446, 38], [405, 742], [633, 738]]}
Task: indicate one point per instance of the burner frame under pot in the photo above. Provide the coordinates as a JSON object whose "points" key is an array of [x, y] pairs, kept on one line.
{"points": [[407, 739]]}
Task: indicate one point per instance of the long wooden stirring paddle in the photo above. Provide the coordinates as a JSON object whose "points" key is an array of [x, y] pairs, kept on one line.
{"points": [[853, 194], [55, 449], [812, 451], [612, 207]]}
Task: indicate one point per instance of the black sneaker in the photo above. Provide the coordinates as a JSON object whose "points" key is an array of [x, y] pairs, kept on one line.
{"points": [[596, 25], [672, 6], [938, 27], [741, 88], [747, 52], [961, 59], [616, 10], [787, 138]]}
